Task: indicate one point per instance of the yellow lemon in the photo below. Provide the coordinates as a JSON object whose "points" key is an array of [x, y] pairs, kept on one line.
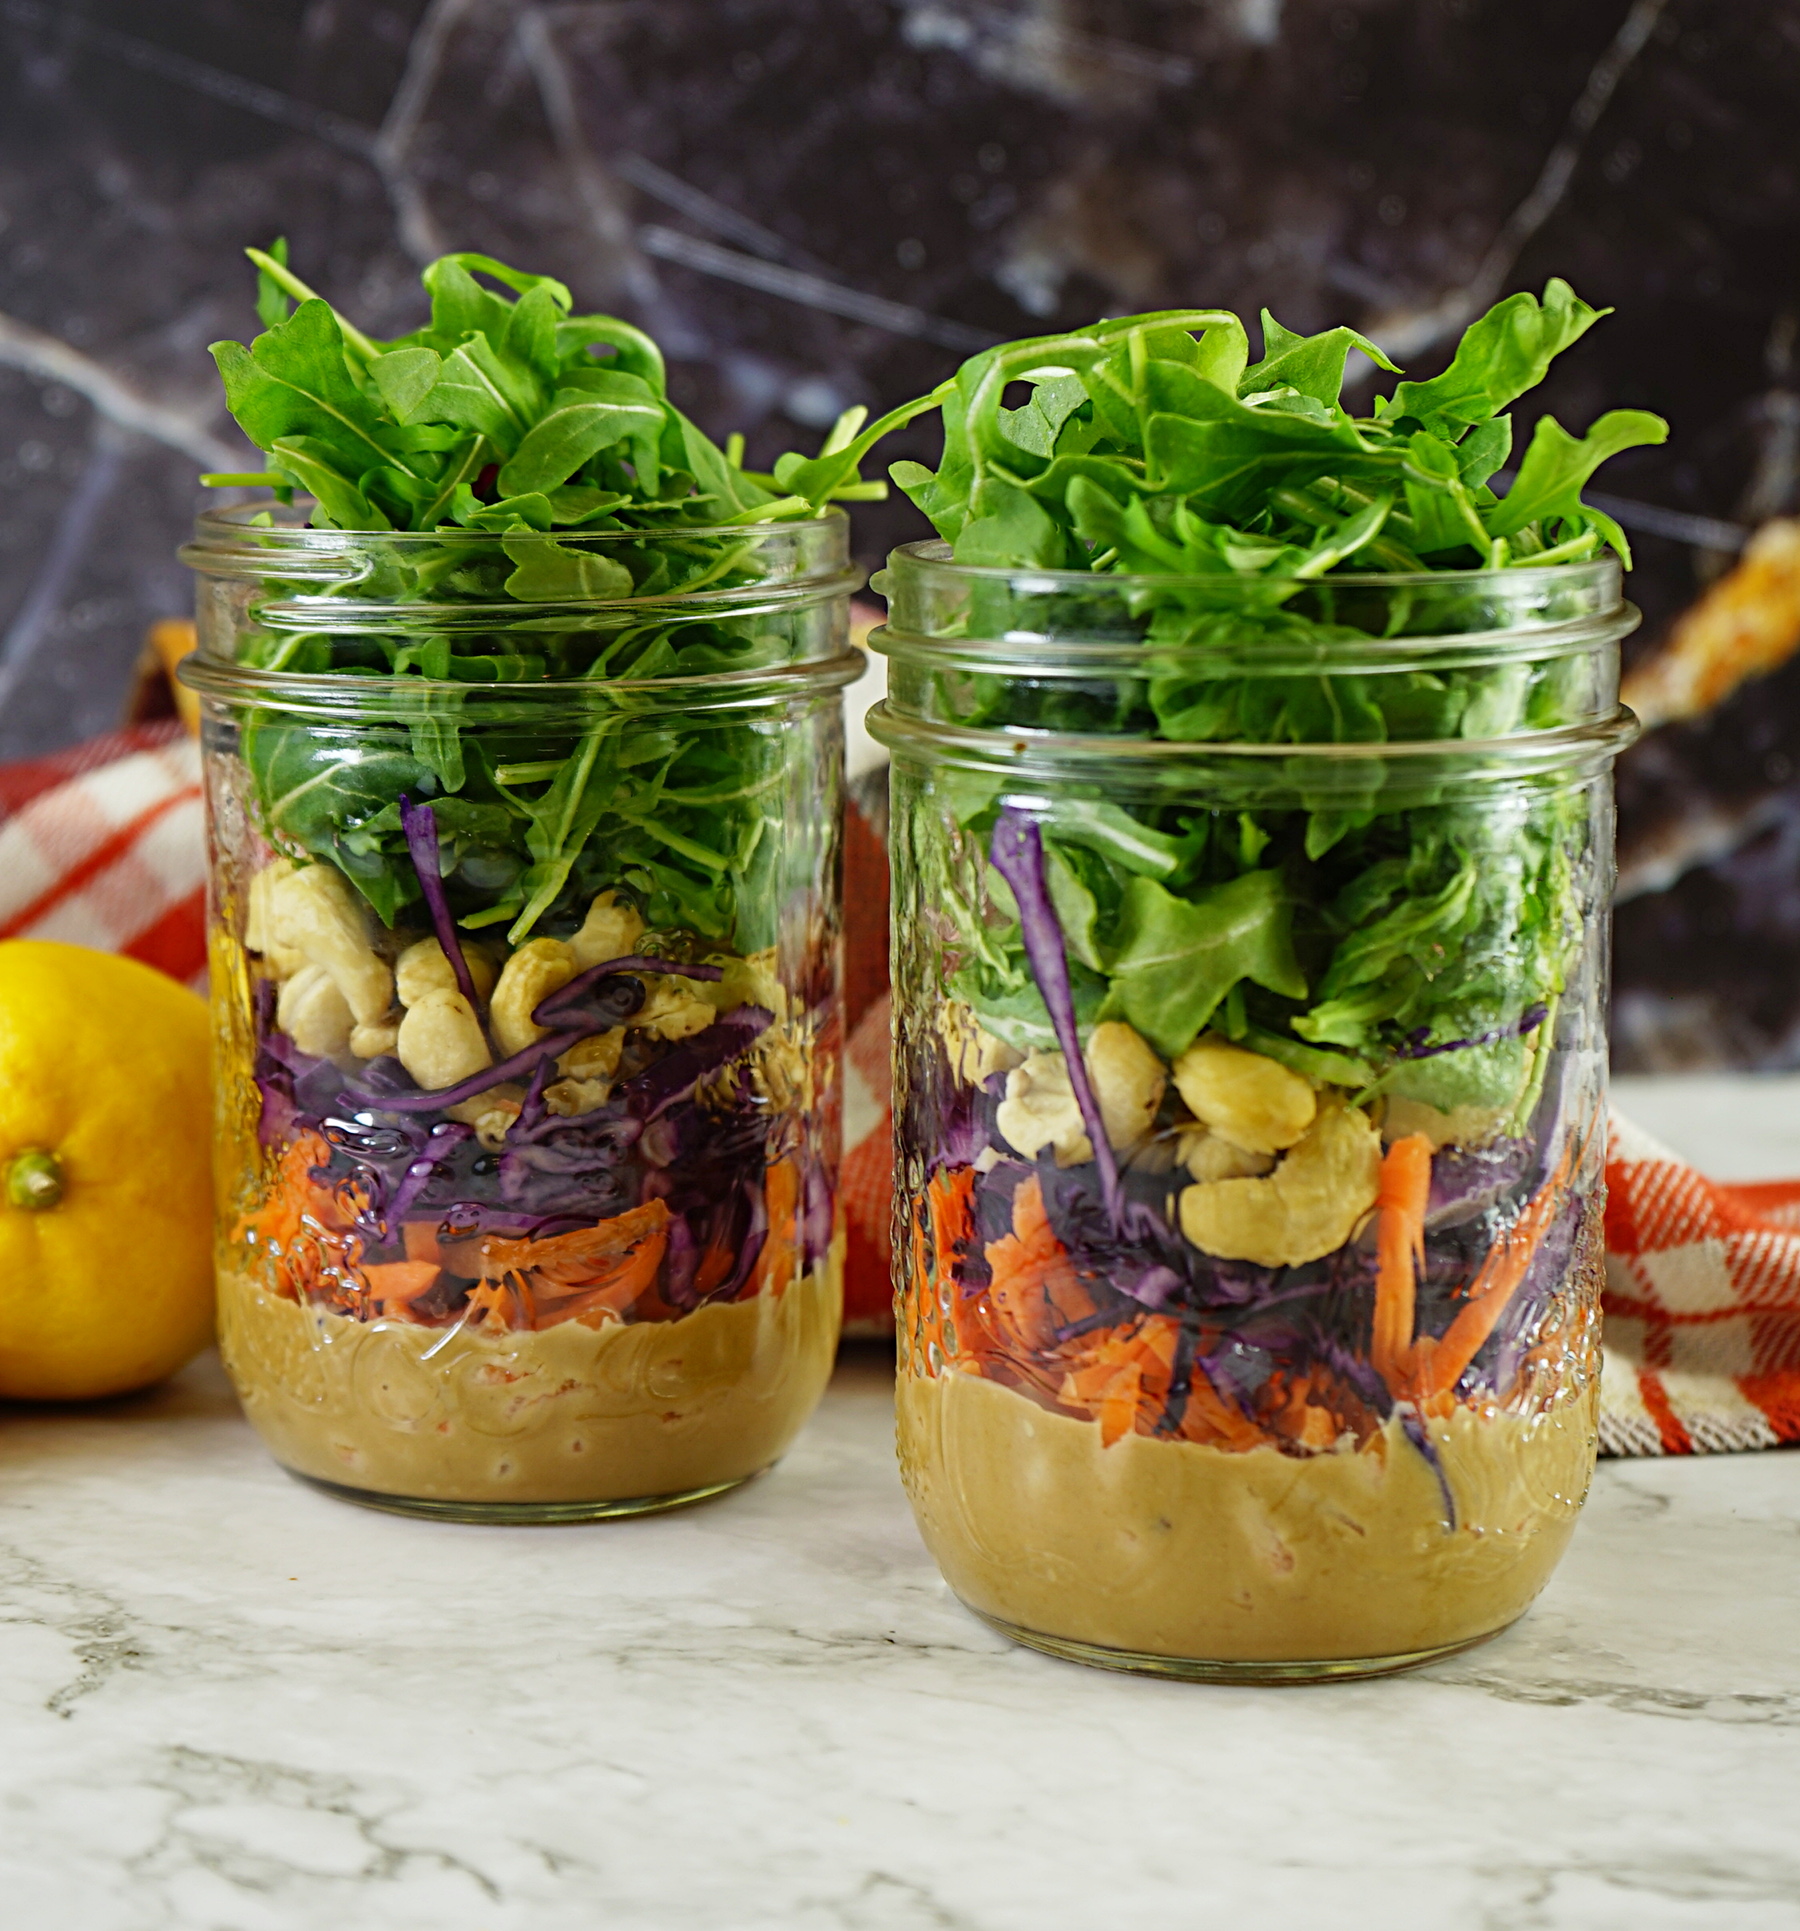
{"points": [[105, 1182]]}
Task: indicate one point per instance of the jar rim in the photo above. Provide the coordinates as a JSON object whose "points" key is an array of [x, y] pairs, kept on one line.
{"points": [[1026, 750], [935, 553], [237, 520], [333, 694]]}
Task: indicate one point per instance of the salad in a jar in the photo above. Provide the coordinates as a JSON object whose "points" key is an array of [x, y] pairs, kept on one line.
{"points": [[523, 750], [1252, 850]]}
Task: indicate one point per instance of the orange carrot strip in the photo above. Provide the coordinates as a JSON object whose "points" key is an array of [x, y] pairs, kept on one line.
{"points": [[1400, 1249], [1119, 1405], [1437, 1369], [779, 1260], [395, 1285]]}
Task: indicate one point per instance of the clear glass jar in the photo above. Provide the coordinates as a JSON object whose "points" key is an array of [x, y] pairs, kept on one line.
{"points": [[525, 961], [1250, 964]]}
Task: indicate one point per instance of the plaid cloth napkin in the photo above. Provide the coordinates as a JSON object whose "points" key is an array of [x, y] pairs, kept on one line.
{"points": [[103, 845], [1702, 1306]]}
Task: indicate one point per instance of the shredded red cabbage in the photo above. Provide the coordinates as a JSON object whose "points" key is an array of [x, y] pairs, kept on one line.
{"points": [[419, 825], [1016, 852]]}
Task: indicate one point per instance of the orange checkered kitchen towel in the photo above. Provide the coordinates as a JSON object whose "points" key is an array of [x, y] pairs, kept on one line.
{"points": [[104, 845], [1702, 1306]]}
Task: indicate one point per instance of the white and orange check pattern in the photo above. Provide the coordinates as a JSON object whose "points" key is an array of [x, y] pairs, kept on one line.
{"points": [[1702, 1306], [103, 845]]}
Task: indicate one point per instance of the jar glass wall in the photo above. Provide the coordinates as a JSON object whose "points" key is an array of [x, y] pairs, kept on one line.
{"points": [[1250, 955], [525, 958]]}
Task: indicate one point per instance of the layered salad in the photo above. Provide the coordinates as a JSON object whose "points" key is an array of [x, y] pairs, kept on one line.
{"points": [[1248, 1120], [529, 1001]]}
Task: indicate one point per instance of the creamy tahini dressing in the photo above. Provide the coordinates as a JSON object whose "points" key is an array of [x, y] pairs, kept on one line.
{"points": [[568, 1414], [1183, 1550]]}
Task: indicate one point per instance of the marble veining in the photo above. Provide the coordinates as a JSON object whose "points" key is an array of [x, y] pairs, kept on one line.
{"points": [[231, 1704]]}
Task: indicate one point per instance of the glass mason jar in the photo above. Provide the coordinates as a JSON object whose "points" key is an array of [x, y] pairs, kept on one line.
{"points": [[525, 959], [1250, 965]]}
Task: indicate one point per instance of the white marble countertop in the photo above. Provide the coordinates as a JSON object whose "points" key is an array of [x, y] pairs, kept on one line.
{"points": [[228, 1703]]}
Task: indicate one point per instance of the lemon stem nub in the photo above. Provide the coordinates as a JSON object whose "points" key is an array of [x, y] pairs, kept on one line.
{"points": [[34, 1179]]}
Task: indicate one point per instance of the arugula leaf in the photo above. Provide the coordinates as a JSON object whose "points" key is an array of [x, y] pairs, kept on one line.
{"points": [[1558, 465], [1506, 352], [294, 380], [1173, 959]]}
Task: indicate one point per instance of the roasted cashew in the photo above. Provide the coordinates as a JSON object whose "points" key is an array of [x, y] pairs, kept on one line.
{"points": [[1208, 1157], [1128, 1081], [490, 1113], [1308, 1207], [569, 1097], [673, 1009], [593, 1058], [285, 960], [974, 1053], [528, 978], [441, 1041], [378, 1037], [314, 1014], [1247, 1098], [1040, 1111], [425, 967], [750, 981], [315, 911], [610, 931]]}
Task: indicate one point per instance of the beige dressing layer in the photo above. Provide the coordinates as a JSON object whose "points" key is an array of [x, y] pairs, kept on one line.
{"points": [[1177, 1549], [568, 1414]]}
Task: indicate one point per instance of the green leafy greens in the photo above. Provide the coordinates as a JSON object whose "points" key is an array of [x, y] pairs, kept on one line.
{"points": [[1355, 923], [524, 503]]}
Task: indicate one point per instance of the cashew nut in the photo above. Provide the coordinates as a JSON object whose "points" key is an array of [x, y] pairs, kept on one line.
{"points": [[258, 932], [569, 1097], [1208, 1157], [673, 1010], [313, 1014], [750, 981], [594, 1058], [1308, 1207], [526, 980], [975, 1054], [610, 931], [1250, 1100], [441, 1041], [1040, 1108], [1128, 1081], [1040, 1111], [490, 1113], [315, 911], [378, 1037], [425, 967], [587, 1069]]}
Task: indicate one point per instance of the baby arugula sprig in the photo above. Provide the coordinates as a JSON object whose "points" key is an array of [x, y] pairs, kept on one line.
{"points": [[500, 415], [1153, 444]]}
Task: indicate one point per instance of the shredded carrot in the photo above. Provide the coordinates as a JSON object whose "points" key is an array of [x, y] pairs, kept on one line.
{"points": [[1119, 1405], [395, 1285], [779, 1260], [306, 1238], [592, 1275], [1035, 1291], [1400, 1249], [1437, 1366], [946, 1328]]}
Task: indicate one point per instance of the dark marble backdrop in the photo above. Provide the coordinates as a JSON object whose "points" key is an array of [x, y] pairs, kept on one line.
{"points": [[815, 202]]}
